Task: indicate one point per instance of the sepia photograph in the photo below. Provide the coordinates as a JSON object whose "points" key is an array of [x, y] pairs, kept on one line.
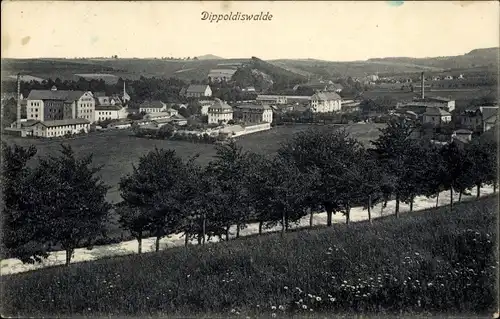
{"points": [[249, 159]]}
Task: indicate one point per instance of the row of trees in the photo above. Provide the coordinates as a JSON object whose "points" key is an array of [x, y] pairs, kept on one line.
{"points": [[61, 201]]}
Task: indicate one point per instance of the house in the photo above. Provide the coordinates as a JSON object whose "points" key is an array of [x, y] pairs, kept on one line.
{"points": [[198, 90], [219, 112], [178, 120], [249, 89], [110, 112], [51, 105], [272, 99], [152, 107], [252, 113], [480, 118], [436, 116], [56, 128], [161, 115], [325, 102]]}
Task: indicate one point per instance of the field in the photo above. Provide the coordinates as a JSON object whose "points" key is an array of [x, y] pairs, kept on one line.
{"points": [[117, 151], [433, 262]]}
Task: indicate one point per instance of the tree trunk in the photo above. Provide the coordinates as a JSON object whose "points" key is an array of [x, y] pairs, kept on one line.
{"points": [[69, 253], [237, 230], [227, 233], [437, 200], [260, 227], [397, 205], [411, 203], [311, 218], [157, 247], [186, 239], [199, 238], [460, 196], [204, 228], [478, 190], [347, 214], [283, 224], [139, 239], [451, 198], [370, 208], [329, 213]]}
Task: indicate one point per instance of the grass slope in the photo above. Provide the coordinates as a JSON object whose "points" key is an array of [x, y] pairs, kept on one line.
{"points": [[428, 262]]}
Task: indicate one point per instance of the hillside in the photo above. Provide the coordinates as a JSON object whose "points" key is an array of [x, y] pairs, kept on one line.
{"points": [[209, 57], [427, 263], [479, 60]]}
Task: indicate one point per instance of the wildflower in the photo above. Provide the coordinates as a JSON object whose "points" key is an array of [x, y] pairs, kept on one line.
{"points": [[318, 298], [237, 312], [233, 310], [89, 309], [304, 307], [301, 301], [332, 299], [280, 307], [273, 307], [329, 295], [273, 315], [258, 306], [310, 310], [429, 284], [286, 288], [310, 296]]}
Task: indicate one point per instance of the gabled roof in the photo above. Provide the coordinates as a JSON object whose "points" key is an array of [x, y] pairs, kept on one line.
{"points": [[55, 95], [64, 122], [196, 88], [326, 96], [219, 104], [153, 104], [108, 107], [436, 111]]}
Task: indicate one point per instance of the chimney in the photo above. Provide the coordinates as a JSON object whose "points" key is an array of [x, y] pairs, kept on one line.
{"points": [[18, 117], [423, 90]]}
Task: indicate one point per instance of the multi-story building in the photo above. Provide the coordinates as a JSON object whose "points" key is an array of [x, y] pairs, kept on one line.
{"points": [[480, 118], [251, 113], [198, 90], [219, 112], [436, 116], [326, 102], [55, 128], [51, 105]]}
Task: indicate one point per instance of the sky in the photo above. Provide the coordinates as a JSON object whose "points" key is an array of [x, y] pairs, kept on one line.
{"points": [[330, 30]]}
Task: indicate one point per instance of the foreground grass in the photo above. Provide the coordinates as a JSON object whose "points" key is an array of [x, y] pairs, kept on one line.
{"points": [[431, 262]]}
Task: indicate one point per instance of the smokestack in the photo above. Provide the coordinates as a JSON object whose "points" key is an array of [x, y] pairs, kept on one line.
{"points": [[18, 118], [423, 89]]}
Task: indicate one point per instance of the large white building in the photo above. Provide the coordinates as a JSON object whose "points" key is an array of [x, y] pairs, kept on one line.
{"points": [[251, 113], [219, 112], [152, 107], [50, 105], [326, 102]]}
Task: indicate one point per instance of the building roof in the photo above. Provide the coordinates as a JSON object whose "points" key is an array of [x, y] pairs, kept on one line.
{"points": [[326, 96], [438, 99], [64, 122], [152, 105], [462, 131], [488, 111], [99, 94], [436, 111], [196, 88], [55, 95], [254, 107], [178, 117], [108, 107], [219, 104]]}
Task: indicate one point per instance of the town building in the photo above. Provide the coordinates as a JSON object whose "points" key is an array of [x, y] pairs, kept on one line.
{"points": [[272, 99], [252, 113], [480, 118], [462, 135], [161, 115], [219, 112], [110, 112], [326, 102], [198, 90], [51, 105], [152, 107], [55, 128], [436, 116]]}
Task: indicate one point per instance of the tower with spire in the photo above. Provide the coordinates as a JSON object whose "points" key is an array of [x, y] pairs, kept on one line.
{"points": [[125, 97]]}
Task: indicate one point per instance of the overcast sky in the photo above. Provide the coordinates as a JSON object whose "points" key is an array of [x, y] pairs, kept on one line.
{"points": [[337, 31]]}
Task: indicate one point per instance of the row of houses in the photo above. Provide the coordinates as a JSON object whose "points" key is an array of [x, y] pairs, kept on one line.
{"points": [[319, 102]]}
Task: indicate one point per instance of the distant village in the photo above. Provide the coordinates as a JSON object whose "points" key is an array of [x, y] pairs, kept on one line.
{"points": [[55, 113]]}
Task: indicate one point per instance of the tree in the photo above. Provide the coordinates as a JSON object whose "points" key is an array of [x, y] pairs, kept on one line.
{"points": [[22, 226], [228, 169], [391, 147], [153, 189], [71, 200], [483, 154], [332, 156], [133, 219]]}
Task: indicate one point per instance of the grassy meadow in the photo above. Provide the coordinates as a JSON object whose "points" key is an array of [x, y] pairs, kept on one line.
{"points": [[426, 263], [116, 151]]}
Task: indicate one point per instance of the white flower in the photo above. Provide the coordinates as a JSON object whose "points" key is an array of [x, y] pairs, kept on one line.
{"points": [[273, 307], [318, 298], [233, 310], [273, 315], [286, 288], [301, 301], [309, 295], [304, 307], [281, 307], [332, 299]]}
